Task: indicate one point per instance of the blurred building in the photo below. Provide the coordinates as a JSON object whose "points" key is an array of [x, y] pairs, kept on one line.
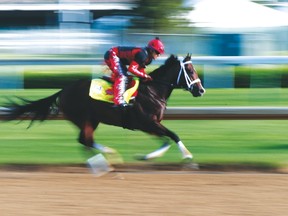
{"points": [[219, 28], [52, 13], [239, 27], [55, 26]]}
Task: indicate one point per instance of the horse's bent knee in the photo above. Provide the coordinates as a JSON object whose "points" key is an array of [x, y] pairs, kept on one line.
{"points": [[81, 141], [84, 141]]}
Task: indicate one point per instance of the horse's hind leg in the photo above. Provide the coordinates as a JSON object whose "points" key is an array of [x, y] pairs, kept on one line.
{"points": [[86, 138], [98, 164]]}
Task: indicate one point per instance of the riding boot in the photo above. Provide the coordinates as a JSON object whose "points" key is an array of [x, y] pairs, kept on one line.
{"points": [[119, 89]]}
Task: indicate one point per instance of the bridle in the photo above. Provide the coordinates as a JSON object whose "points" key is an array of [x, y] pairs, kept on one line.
{"points": [[189, 81]]}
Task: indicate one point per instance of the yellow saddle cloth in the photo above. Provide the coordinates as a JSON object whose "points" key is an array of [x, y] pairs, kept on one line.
{"points": [[102, 90]]}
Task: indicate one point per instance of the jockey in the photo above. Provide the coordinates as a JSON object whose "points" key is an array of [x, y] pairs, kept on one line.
{"points": [[136, 58]]}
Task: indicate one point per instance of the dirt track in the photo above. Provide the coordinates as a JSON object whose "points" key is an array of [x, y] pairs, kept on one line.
{"points": [[164, 193]]}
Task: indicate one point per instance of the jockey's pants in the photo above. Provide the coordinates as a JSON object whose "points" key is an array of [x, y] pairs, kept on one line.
{"points": [[119, 75]]}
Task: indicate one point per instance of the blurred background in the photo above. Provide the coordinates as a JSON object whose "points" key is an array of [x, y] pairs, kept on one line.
{"points": [[34, 29], [239, 48]]}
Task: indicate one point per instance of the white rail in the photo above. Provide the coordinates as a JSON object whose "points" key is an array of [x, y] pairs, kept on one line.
{"points": [[215, 113], [232, 60]]}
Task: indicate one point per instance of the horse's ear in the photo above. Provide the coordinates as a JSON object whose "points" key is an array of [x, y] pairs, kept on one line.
{"points": [[187, 58]]}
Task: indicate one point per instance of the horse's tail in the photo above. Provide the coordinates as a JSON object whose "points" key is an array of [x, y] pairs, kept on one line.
{"points": [[34, 110]]}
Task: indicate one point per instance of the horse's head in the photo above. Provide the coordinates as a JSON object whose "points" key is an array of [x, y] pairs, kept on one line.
{"points": [[188, 78], [179, 74]]}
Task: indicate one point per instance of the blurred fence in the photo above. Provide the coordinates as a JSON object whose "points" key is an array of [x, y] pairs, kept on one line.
{"points": [[217, 71]]}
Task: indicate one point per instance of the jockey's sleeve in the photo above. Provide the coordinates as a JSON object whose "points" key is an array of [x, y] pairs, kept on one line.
{"points": [[133, 68]]}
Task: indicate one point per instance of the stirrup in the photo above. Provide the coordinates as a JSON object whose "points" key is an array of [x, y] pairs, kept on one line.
{"points": [[122, 105]]}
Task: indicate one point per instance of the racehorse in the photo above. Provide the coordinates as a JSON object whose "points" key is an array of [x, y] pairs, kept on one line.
{"points": [[145, 114]]}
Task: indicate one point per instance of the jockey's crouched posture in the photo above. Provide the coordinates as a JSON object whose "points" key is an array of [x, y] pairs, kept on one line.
{"points": [[136, 58]]}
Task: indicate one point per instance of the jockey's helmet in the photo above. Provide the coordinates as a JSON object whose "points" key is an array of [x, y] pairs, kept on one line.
{"points": [[156, 45]]}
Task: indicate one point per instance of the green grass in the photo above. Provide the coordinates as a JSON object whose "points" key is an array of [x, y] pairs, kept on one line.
{"points": [[232, 142], [233, 97], [215, 141]]}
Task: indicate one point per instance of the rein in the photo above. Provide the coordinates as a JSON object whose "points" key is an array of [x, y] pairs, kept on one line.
{"points": [[163, 83]]}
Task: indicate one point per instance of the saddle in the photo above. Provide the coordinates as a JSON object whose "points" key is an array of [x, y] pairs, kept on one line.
{"points": [[102, 89]]}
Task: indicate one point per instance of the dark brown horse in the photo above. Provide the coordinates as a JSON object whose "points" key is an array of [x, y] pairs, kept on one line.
{"points": [[145, 114]]}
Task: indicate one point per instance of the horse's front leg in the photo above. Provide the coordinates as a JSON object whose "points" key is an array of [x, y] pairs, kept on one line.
{"points": [[155, 154], [186, 154], [161, 131]]}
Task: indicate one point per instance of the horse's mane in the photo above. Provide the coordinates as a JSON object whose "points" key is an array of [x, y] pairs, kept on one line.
{"points": [[163, 68], [171, 60], [148, 92]]}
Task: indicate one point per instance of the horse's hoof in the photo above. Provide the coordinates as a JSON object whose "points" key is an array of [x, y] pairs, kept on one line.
{"points": [[191, 166], [114, 158], [188, 164], [140, 157], [107, 150], [187, 160], [99, 166], [188, 157]]}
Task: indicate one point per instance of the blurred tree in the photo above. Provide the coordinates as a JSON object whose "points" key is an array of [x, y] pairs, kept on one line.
{"points": [[159, 15]]}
